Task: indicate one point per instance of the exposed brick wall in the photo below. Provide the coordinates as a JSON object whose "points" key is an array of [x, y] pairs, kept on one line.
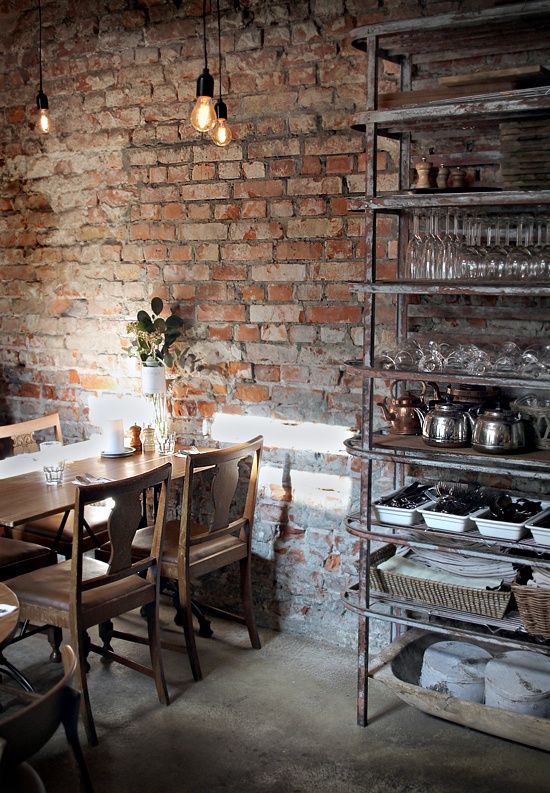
{"points": [[252, 244]]}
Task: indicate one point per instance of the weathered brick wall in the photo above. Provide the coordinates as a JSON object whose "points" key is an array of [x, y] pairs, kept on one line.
{"points": [[252, 244]]}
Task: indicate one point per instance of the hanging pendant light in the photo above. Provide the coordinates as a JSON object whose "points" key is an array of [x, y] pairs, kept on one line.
{"points": [[221, 131], [43, 123], [203, 115]]}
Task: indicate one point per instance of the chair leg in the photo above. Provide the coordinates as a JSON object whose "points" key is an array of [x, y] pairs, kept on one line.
{"points": [[153, 630], [184, 617], [55, 637], [246, 595], [80, 642], [69, 717], [106, 634]]}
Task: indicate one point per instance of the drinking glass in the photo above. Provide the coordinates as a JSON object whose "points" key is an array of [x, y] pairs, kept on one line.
{"points": [[414, 247], [53, 474], [167, 443]]}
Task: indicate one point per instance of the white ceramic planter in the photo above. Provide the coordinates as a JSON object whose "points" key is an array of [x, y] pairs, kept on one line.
{"points": [[153, 380]]}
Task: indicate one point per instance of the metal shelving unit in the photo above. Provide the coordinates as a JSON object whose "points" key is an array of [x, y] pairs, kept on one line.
{"points": [[410, 43]]}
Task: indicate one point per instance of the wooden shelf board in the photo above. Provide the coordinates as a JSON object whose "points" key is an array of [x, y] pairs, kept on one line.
{"points": [[492, 199], [411, 449], [447, 377], [530, 289], [494, 106], [426, 24]]}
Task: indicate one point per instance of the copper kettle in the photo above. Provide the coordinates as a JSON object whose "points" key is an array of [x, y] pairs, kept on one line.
{"points": [[404, 413]]}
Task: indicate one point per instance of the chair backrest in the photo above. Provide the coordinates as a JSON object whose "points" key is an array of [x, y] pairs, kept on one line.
{"points": [[22, 433], [219, 493], [129, 497], [29, 729]]}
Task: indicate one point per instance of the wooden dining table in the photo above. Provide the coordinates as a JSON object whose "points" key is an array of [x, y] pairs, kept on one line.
{"points": [[27, 497]]}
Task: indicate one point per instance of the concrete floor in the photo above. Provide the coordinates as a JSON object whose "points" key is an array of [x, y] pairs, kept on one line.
{"points": [[279, 719]]}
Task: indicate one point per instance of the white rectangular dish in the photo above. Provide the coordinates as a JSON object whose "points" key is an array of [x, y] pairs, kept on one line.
{"points": [[397, 516], [501, 529], [445, 521], [541, 534]]}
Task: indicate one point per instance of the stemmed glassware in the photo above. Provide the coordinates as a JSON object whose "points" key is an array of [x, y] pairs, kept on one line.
{"points": [[478, 246]]}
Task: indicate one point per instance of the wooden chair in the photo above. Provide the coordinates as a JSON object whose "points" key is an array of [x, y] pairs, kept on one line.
{"points": [[84, 592], [53, 531], [21, 434], [215, 530], [29, 729]]}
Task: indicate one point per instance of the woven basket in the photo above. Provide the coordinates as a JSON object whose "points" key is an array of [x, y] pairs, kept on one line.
{"points": [[534, 609], [436, 593], [539, 418]]}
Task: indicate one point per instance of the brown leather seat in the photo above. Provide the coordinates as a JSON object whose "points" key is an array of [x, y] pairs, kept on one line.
{"points": [[48, 531], [17, 558], [208, 551]]}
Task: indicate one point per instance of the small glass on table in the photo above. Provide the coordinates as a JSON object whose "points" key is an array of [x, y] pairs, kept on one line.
{"points": [[166, 443], [53, 473]]}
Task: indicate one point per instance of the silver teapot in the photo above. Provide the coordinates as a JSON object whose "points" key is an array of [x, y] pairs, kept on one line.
{"points": [[499, 431], [447, 425]]}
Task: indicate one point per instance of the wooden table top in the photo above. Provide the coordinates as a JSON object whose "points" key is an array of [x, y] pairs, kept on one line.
{"points": [[8, 622], [27, 497]]}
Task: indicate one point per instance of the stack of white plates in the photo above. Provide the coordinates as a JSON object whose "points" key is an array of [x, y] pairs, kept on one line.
{"points": [[519, 680], [455, 668]]}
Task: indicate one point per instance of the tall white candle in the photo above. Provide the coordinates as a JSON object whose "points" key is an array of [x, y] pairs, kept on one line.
{"points": [[113, 436]]}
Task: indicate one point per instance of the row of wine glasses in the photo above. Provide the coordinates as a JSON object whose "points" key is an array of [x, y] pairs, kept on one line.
{"points": [[440, 356], [459, 245]]}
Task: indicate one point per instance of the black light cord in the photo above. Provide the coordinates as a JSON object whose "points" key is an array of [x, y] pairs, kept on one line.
{"points": [[219, 46], [204, 33], [40, 42]]}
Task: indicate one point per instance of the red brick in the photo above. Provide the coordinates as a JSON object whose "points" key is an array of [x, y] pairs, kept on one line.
{"points": [[258, 188], [220, 332], [95, 382], [311, 166], [339, 249], [342, 163], [280, 292], [212, 291], [252, 294], [333, 314], [173, 212], [223, 313], [247, 333], [251, 393], [254, 209], [299, 250], [282, 168], [264, 373], [229, 272]]}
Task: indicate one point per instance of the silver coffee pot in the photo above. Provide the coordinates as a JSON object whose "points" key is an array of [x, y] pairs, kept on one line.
{"points": [[447, 425], [499, 431]]}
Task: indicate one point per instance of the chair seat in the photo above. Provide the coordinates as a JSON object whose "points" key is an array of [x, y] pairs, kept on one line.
{"points": [[199, 555], [44, 530], [17, 557], [50, 588]]}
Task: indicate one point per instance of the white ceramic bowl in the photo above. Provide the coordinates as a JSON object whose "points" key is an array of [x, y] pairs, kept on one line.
{"points": [[445, 521], [541, 534], [397, 516], [501, 529]]}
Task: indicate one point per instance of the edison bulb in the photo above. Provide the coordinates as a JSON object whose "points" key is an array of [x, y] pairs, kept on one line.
{"points": [[203, 116], [43, 123], [221, 133]]}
